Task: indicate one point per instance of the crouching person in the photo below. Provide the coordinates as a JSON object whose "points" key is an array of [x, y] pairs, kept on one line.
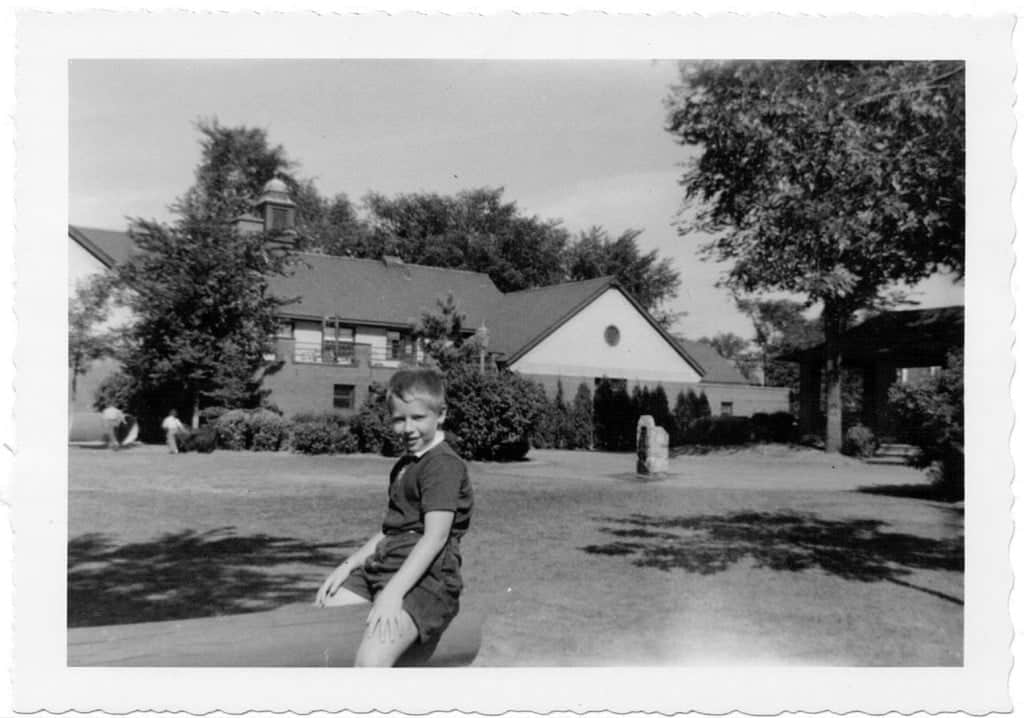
{"points": [[410, 571]]}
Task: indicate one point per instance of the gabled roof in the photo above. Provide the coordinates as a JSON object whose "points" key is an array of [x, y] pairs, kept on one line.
{"points": [[392, 293], [108, 246], [717, 369], [380, 292], [522, 320]]}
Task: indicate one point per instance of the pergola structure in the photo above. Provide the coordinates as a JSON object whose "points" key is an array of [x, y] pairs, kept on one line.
{"points": [[879, 347]]}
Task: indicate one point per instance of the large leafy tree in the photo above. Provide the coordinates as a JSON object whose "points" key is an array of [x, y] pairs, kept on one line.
{"points": [[833, 180], [475, 229], [235, 164], [779, 327], [648, 277], [198, 289]]}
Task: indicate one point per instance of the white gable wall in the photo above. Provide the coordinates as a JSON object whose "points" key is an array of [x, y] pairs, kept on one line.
{"points": [[578, 347], [82, 264]]}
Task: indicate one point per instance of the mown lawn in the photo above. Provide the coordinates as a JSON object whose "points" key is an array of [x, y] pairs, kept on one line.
{"points": [[767, 556]]}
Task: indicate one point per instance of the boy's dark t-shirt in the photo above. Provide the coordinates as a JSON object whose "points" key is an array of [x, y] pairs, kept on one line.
{"points": [[436, 481]]}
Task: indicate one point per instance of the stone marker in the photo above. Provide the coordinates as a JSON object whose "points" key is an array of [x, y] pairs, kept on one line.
{"points": [[651, 447]]}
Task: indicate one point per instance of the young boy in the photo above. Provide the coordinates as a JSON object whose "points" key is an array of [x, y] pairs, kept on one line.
{"points": [[410, 570]]}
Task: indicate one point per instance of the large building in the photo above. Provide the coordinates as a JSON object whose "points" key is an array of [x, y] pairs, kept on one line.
{"points": [[350, 326]]}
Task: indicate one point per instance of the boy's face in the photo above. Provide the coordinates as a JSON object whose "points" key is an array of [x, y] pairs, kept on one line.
{"points": [[415, 422]]}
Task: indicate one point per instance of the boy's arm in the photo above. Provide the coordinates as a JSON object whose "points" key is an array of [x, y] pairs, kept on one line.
{"points": [[364, 552], [386, 607], [334, 580]]}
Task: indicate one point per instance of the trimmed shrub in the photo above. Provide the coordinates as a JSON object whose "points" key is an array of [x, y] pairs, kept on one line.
{"points": [[371, 426], [268, 431], [719, 431], [326, 433], [233, 430], [493, 414], [779, 427], [202, 440], [860, 441]]}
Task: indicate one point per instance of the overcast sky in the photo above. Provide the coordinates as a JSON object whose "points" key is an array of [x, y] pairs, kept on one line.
{"points": [[582, 141]]}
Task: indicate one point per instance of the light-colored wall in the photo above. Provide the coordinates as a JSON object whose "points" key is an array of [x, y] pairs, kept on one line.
{"points": [[578, 347], [82, 265]]}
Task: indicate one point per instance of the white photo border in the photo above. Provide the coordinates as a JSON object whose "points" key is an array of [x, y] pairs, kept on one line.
{"points": [[45, 45]]}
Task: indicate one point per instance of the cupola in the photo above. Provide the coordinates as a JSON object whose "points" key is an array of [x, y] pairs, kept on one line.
{"points": [[275, 207]]}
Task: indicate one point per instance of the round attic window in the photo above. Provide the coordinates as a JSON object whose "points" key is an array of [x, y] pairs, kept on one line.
{"points": [[611, 335]]}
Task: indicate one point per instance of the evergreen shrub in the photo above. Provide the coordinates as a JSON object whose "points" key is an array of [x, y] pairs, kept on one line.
{"points": [[614, 417], [778, 427], [581, 420], [860, 441]]}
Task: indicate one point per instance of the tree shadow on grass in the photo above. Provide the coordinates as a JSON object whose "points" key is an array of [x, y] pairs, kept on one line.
{"points": [[926, 492], [191, 574], [857, 550]]}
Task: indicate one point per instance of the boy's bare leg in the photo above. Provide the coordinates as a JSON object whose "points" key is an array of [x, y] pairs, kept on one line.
{"points": [[343, 597], [380, 651]]}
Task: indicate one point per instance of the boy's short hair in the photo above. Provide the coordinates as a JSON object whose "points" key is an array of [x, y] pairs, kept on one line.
{"points": [[419, 383]]}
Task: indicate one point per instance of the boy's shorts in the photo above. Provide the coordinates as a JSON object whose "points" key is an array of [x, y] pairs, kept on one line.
{"points": [[433, 602]]}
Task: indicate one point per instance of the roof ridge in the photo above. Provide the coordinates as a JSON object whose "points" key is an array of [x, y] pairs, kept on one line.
{"points": [[605, 278], [81, 227], [404, 263]]}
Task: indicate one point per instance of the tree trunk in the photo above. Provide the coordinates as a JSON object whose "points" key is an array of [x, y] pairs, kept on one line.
{"points": [[195, 411], [835, 325]]}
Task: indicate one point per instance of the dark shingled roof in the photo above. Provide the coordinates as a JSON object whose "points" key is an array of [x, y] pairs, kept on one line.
{"points": [[392, 293], [106, 245], [379, 292], [522, 319], [717, 369]]}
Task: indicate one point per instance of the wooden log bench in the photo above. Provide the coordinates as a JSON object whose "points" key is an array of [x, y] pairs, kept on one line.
{"points": [[300, 635]]}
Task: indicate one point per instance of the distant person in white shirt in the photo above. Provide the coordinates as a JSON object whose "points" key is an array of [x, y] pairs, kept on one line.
{"points": [[173, 427], [112, 418]]}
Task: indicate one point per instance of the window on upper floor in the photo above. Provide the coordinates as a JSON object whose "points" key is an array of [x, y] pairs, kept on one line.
{"points": [[726, 408], [399, 346], [339, 345], [285, 329]]}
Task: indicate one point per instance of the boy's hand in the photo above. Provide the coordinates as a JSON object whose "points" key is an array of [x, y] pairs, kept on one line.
{"points": [[332, 583], [384, 618]]}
